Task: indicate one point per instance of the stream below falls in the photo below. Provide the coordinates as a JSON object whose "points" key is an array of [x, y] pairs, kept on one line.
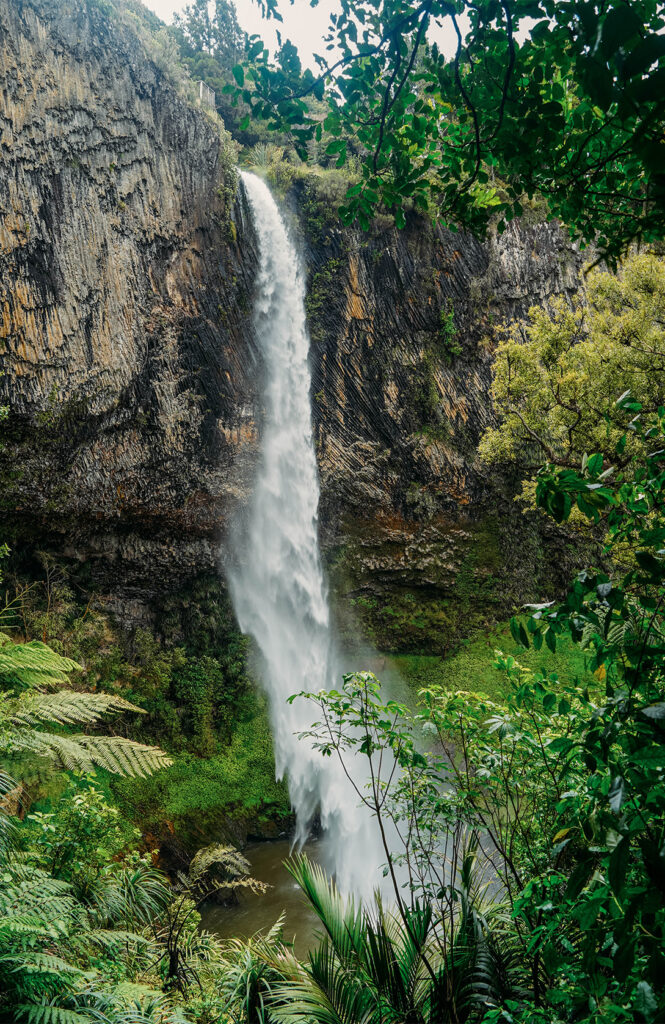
{"points": [[255, 912]]}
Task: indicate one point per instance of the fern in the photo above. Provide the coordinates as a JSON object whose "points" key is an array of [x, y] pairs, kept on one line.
{"points": [[81, 753], [50, 1014], [67, 707], [32, 670], [32, 664]]}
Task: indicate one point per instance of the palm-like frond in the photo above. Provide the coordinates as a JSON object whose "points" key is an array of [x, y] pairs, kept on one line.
{"points": [[67, 707], [250, 971], [32, 664], [326, 992], [48, 1013], [128, 895], [378, 967], [341, 919]]}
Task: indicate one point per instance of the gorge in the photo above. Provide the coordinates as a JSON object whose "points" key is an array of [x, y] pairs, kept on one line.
{"points": [[134, 372], [332, 513]]}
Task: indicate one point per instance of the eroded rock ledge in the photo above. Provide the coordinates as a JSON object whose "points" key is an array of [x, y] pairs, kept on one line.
{"points": [[126, 352]]}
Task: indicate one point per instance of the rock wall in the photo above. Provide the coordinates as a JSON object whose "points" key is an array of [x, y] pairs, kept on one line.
{"points": [[127, 261], [126, 354], [422, 539]]}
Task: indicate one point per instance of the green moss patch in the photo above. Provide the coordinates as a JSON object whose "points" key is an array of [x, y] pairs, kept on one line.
{"points": [[472, 666], [202, 799]]}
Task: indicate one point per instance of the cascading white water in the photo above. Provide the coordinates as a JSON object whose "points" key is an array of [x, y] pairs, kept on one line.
{"points": [[278, 587]]}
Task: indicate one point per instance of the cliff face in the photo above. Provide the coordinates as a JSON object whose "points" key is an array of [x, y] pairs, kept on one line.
{"points": [[127, 358], [126, 270], [423, 540]]}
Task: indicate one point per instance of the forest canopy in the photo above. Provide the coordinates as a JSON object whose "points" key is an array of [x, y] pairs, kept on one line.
{"points": [[557, 99]]}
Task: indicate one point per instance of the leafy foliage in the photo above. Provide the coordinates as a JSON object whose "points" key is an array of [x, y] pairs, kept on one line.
{"points": [[375, 965], [615, 816], [34, 666], [557, 98], [68, 911], [555, 380], [562, 781]]}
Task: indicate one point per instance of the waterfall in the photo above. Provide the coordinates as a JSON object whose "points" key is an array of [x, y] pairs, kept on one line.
{"points": [[278, 587]]}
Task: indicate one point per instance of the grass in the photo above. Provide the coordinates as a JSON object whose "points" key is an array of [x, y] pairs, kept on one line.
{"points": [[199, 799], [472, 666]]}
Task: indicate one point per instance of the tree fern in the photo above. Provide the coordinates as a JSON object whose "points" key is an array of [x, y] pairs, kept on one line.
{"points": [[48, 936], [32, 664], [28, 673], [67, 707]]}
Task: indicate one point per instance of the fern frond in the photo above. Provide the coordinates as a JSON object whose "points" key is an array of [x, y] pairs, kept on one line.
{"points": [[32, 664], [50, 1014], [42, 963], [68, 707], [116, 754], [111, 938], [8, 830], [124, 757]]}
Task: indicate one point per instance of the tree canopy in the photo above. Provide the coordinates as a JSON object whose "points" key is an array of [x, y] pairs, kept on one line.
{"points": [[557, 376], [561, 99]]}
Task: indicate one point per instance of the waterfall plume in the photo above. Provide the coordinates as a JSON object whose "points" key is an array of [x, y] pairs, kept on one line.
{"points": [[278, 586]]}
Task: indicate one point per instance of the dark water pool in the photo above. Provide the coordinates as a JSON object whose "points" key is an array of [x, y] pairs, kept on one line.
{"points": [[258, 913]]}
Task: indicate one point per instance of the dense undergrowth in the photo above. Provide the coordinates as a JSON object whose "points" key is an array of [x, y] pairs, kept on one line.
{"points": [[199, 701], [473, 665]]}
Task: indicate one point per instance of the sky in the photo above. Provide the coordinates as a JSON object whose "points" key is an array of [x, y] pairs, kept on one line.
{"points": [[303, 25]]}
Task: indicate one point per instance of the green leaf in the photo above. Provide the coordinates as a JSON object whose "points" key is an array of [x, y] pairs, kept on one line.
{"points": [[595, 464], [619, 865], [651, 757], [239, 74], [645, 1001], [654, 566], [617, 793], [655, 711], [578, 879]]}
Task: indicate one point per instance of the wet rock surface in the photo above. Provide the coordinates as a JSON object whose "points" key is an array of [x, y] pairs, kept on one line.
{"points": [[126, 351], [129, 365], [403, 326]]}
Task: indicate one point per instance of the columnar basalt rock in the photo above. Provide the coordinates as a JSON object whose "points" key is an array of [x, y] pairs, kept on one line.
{"points": [[127, 356], [404, 324]]}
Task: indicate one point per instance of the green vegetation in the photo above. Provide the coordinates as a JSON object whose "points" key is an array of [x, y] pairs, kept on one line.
{"points": [[464, 592], [318, 191], [568, 109], [199, 799], [473, 665], [558, 780], [318, 295], [535, 757], [448, 331], [195, 700], [554, 393]]}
